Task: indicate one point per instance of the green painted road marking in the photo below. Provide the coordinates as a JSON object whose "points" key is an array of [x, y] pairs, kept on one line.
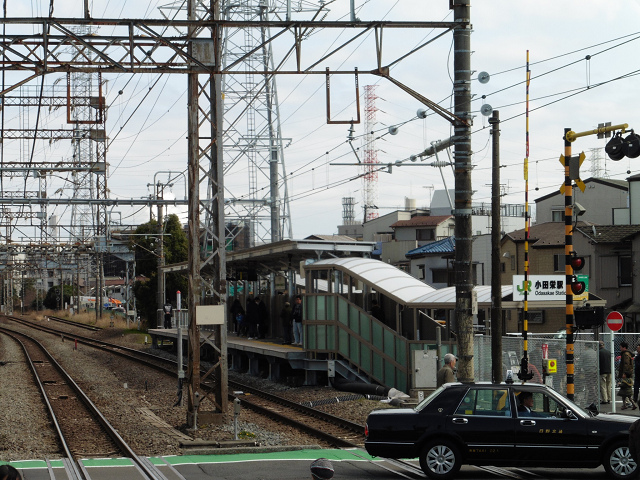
{"points": [[335, 455]]}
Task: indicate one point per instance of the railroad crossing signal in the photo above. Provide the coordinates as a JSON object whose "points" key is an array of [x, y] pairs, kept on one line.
{"points": [[618, 148], [577, 263], [574, 170]]}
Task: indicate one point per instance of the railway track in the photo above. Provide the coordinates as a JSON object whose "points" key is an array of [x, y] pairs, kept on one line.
{"points": [[66, 321], [82, 431], [333, 430]]}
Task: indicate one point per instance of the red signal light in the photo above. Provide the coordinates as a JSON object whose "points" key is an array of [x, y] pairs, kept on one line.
{"points": [[578, 288], [577, 263]]}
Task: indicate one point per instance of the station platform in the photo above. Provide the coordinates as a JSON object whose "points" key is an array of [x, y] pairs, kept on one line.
{"points": [[267, 358]]}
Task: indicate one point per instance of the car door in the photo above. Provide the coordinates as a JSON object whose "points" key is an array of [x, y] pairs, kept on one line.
{"points": [[483, 422], [546, 436]]}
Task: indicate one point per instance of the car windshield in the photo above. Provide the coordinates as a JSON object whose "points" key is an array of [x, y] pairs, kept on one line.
{"points": [[575, 408], [428, 400]]}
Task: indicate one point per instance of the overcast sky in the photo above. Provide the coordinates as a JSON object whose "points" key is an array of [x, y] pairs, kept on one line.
{"points": [[147, 122]]}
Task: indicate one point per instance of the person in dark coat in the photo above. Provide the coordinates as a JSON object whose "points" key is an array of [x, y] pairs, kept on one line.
{"points": [[237, 315], [296, 317], [625, 372], [626, 392], [445, 374], [168, 311], [626, 361], [285, 318], [605, 374], [253, 318]]}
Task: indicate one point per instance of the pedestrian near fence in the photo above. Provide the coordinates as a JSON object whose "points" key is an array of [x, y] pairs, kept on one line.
{"points": [[605, 374]]}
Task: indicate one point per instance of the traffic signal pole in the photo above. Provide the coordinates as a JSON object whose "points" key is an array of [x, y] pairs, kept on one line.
{"points": [[569, 137]]}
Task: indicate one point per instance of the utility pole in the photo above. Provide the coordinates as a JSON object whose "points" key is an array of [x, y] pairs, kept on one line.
{"points": [[496, 286], [462, 212], [160, 248], [194, 282]]}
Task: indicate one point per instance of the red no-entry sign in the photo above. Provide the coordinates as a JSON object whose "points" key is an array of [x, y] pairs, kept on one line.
{"points": [[615, 321]]}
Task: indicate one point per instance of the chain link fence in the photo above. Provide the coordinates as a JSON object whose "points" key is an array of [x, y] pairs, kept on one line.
{"points": [[586, 364]]}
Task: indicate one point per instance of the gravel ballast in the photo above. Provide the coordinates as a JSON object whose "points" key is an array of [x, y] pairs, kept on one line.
{"points": [[136, 400]]}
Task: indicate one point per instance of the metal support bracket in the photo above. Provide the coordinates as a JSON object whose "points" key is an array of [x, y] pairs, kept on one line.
{"points": [[342, 122]]}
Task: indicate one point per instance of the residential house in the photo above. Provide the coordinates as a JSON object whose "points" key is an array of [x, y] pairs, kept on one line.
{"points": [[610, 263], [550, 208], [546, 257], [433, 263], [413, 233]]}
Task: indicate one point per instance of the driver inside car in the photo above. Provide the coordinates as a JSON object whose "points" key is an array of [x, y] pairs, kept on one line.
{"points": [[525, 405]]}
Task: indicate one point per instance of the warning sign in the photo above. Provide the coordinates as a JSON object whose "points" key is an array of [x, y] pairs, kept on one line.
{"points": [[552, 365]]}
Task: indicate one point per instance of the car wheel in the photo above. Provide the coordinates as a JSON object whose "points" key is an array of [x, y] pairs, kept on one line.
{"points": [[440, 460], [618, 462]]}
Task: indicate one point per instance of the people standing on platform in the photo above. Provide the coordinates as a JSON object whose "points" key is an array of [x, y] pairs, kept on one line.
{"points": [[168, 310], [263, 327], [253, 318], [296, 320], [605, 374], [285, 318], [445, 374], [237, 315]]}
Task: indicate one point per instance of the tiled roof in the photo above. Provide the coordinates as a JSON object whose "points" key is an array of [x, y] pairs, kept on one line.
{"points": [[446, 245], [609, 233], [422, 221]]}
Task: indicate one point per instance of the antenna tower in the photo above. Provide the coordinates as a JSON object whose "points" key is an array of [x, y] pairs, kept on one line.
{"points": [[370, 178]]}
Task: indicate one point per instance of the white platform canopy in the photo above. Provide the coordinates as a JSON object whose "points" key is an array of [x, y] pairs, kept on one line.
{"points": [[382, 277], [407, 290]]}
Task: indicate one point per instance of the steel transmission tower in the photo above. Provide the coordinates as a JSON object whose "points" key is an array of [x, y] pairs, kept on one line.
{"points": [[253, 140], [597, 171], [86, 112], [370, 178]]}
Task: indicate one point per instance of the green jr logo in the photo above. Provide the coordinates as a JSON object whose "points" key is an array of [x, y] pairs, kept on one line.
{"points": [[523, 287]]}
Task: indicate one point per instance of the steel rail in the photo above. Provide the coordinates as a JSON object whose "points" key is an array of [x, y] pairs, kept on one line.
{"points": [[45, 398], [147, 469], [153, 361]]}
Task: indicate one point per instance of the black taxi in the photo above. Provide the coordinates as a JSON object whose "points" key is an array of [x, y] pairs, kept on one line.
{"points": [[524, 425]]}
